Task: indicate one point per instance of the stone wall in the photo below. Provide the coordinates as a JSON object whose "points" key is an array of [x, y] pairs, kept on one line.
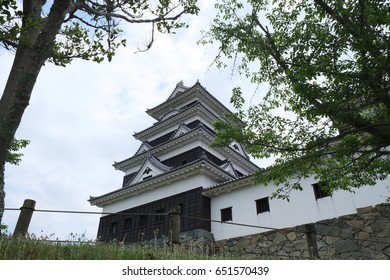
{"points": [[365, 235]]}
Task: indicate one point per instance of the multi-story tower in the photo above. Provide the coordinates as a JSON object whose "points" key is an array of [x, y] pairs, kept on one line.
{"points": [[173, 166]]}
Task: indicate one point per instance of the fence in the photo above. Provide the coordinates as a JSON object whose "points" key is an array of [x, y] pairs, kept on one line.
{"points": [[28, 208], [363, 235]]}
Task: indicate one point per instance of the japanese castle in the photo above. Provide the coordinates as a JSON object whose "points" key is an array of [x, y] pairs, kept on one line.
{"points": [[175, 165]]}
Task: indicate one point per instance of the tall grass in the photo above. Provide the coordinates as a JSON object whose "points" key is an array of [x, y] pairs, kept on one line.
{"points": [[33, 248]]}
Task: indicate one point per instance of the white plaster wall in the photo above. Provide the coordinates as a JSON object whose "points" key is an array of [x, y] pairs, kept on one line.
{"points": [[166, 130], [303, 207], [133, 169], [160, 193], [363, 196]]}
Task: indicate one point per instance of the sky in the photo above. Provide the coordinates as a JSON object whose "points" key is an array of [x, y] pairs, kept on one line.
{"points": [[81, 119]]}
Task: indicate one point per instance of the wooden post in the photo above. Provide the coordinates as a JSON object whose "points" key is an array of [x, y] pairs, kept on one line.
{"points": [[26, 212], [174, 224], [312, 241]]}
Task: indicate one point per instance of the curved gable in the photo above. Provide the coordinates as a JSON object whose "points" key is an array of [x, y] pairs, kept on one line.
{"points": [[150, 168]]}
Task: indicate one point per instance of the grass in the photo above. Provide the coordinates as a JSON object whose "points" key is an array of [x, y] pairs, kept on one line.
{"points": [[33, 248]]}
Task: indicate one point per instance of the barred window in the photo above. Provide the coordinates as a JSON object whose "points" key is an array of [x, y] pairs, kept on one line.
{"points": [[262, 205], [226, 214]]}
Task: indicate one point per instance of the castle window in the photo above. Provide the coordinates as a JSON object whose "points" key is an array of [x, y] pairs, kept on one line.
{"points": [[318, 192], [226, 214], [262, 205]]}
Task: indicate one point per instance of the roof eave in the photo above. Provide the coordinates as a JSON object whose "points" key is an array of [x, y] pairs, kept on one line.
{"points": [[228, 186], [201, 166]]}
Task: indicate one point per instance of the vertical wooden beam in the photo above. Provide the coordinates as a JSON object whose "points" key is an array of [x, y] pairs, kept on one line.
{"points": [[174, 224], [26, 212]]}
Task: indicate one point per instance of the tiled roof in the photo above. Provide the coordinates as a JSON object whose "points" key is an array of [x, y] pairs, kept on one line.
{"points": [[228, 185]]}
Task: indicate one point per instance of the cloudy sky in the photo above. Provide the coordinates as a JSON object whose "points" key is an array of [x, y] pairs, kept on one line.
{"points": [[81, 119]]}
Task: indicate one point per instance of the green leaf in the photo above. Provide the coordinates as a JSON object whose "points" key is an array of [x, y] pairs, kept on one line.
{"points": [[13, 155]]}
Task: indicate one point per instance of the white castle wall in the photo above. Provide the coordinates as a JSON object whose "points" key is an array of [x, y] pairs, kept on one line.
{"points": [[303, 207]]}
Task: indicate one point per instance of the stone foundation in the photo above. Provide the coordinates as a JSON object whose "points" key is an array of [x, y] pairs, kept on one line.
{"points": [[365, 235]]}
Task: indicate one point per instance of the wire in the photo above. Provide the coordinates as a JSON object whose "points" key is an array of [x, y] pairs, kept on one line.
{"points": [[91, 212], [182, 216], [144, 214]]}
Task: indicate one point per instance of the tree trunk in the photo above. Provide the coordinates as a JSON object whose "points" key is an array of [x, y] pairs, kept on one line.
{"points": [[30, 56], [2, 194]]}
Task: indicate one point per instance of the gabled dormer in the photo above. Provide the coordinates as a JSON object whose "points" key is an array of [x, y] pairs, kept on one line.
{"points": [[150, 168], [182, 129], [228, 167], [239, 149]]}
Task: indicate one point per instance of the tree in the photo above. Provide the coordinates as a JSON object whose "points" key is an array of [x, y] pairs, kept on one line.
{"points": [[326, 64], [63, 30]]}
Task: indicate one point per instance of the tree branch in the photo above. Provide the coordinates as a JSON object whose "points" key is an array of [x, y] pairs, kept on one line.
{"points": [[150, 43], [95, 12], [337, 16]]}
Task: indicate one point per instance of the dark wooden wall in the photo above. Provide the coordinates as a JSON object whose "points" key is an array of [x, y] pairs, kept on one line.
{"points": [[139, 226]]}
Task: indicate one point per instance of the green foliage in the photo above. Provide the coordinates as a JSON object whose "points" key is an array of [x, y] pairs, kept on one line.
{"points": [[13, 157], [9, 22], [326, 113], [91, 29], [3, 227]]}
